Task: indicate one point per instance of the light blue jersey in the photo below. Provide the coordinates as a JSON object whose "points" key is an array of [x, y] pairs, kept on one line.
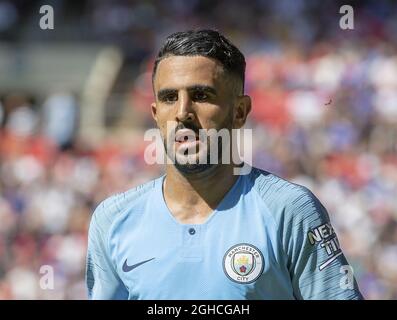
{"points": [[267, 239]]}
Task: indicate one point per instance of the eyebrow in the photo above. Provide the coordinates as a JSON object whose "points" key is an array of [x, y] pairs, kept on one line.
{"points": [[202, 88], [164, 92]]}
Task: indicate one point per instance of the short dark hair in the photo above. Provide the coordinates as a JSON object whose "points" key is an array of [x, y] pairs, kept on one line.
{"points": [[206, 43]]}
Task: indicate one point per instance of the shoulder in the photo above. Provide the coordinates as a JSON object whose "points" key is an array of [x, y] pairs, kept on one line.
{"points": [[109, 209], [287, 201]]}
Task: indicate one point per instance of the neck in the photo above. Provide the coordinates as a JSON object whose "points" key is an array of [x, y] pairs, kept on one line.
{"points": [[205, 188]]}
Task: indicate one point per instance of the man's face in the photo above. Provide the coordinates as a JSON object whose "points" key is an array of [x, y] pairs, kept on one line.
{"points": [[192, 93]]}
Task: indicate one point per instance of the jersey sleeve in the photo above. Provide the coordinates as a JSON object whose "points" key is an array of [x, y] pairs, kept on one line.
{"points": [[317, 265], [102, 280]]}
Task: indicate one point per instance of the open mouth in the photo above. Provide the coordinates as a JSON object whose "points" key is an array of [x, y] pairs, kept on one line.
{"points": [[187, 142], [186, 136]]}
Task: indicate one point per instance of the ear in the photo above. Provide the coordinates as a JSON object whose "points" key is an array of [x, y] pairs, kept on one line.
{"points": [[153, 108], [241, 111]]}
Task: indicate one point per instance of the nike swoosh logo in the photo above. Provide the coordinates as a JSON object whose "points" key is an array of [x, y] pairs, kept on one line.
{"points": [[127, 268]]}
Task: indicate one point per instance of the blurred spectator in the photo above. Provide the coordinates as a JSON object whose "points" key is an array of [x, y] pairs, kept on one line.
{"points": [[59, 118], [8, 15]]}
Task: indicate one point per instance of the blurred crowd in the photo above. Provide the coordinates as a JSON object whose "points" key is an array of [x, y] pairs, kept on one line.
{"points": [[324, 115]]}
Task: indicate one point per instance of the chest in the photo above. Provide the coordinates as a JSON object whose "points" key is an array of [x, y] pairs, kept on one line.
{"points": [[230, 257]]}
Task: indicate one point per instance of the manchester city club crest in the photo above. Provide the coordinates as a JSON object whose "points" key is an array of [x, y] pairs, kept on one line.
{"points": [[243, 263]]}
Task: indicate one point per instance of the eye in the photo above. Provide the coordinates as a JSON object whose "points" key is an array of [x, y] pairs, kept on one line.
{"points": [[170, 98], [200, 96]]}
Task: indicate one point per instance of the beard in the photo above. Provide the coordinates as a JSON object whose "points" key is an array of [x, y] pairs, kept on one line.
{"points": [[193, 168], [196, 166]]}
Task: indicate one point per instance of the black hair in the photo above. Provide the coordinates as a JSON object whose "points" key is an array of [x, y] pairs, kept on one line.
{"points": [[206, 43]]}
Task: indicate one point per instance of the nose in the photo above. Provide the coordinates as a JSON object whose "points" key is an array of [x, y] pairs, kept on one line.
{"points": [[185, 111]]}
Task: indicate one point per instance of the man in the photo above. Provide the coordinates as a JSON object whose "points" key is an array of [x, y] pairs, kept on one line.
{"points": [[200, 231]]}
